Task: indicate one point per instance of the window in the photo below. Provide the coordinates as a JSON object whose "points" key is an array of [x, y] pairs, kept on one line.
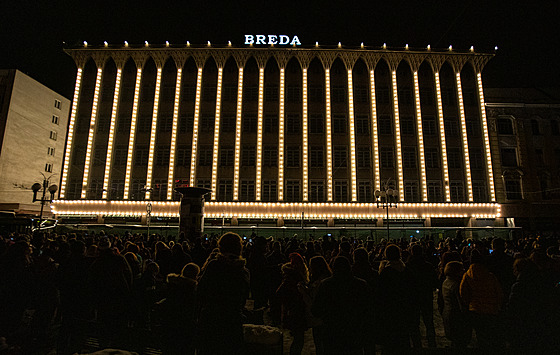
{"points": [[144, 123], [364, 191], [407, 126], [513, 189], [316, 124], [226, 156], [79, 157], [361, 125], [48, 167], [539, 155], [473, 128], [183, 157], [293, 123], [271, 92], [316, 157], [57, 104], [292, 156], [386, 157], [509, 157], [432, 158], [454, 158], [167, 92], [270, 156], [206, 123], [123, 124], [476, 158], [250, 93], [249, 123], [340, 157], [228, 123], [141, 156], [293, 94], [426, 96], [247, 190], [229, 93], [165, 123], [341, 191], [103, 123], [248, 155], [225, 190], [204, 183], [457, 191], [411, 191], [535, 127], [338, 94], [384, 125], [117, 190], [363, 157], [186, 122], [99, 156], [159, 190], [55, 119], [119, 156], [479, 190], [383, 96], [205, 155], [292, 191], [339, 124], [361, 95], [316, 191], [505, 126], [209, 93], [53, 135], [189, 93], [554, 128], [405, 97], [270, 124], [316, 94], [451, 127], [50, 151], [409, 157], [268, 192], [429, 126], [448, 97], [162, 156], [434, 191]]}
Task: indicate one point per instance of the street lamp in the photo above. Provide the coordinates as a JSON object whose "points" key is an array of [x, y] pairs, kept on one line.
{"points": [[148, 207], [386, 198], [45, 186]]}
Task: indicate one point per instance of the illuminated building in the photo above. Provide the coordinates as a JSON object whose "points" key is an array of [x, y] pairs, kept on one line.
{"points": [[280, 132]]}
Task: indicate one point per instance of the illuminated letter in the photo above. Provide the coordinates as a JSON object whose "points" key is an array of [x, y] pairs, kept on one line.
{"points": [[284, 39], [261, 39], [272, 39], [295, 41], [249, 39]]}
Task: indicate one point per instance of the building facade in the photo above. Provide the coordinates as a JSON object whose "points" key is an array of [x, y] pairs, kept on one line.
{"points": [[280, 133], [33, 122]]}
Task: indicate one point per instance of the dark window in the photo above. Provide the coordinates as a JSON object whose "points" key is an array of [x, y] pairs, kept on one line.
{"points": [[228, 123], [165, 124], [535, 127], [454, 158], [292, 156], [476, 158], [103, 123], [209, 93], [316, 124], [316, 94], [271, 92], [271, 123], [383, 96], [206, 123], [432, 158], [188, 93], [473, 127], [457, 191], [247, 192], [225, 190], [120, 155], [249, 123], [426, 96], [99, 156], [451, 127], [268, 192], [405, 97], [509, 157], [429, 127], [434, 191], [513, 190], [144, 124], [341, 191], [339, 124], [448, 97], [338, 94], [505, 126], [293, 94], [248, 155], [205, 155], [250, 93], [292, 190], [293, 123], [407, 125], [385, 125], [270, 156], [409, 157], [361, 95], [141, 156], [229, 93], [316, 191], [123, 124], [364, 191], [363, 157], [316, 157], [411, 191], [361, 125], [539, 155], [162, 155], [340, 156], [554, 127], [226, 156], [479, 191], [386, 157], [183, 157], [186, 122]]}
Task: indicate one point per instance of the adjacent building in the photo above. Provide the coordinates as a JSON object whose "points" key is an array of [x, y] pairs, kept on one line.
{"points": [[33, 123]]}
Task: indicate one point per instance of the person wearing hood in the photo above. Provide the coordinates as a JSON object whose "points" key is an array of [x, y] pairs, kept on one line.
{"points": [[482, 293], [396, 305], [290, 297], [222, 292], [178, 311]]}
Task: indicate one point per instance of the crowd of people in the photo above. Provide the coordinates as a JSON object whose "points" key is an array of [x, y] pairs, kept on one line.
{"points": [[355, 295]]}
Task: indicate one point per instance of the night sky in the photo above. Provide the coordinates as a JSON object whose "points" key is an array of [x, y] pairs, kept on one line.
{"points": [[527, 34]]}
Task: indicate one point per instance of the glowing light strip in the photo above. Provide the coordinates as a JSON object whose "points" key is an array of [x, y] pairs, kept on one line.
{"points": [[173, 144], [238, 135], [258, 175], [420, 139], [398, 135], [114, 110], [281, 135], [70, 132], [352, 136], [328, 134], [87, 163], [132, 133], [304, 138], [442, 139], [217, 131], [375, 142], [195, 127], [153, 135], [464, 136], [486, 137]]}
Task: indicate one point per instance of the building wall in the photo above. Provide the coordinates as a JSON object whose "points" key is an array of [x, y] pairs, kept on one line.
{"points": [[35, 124]]}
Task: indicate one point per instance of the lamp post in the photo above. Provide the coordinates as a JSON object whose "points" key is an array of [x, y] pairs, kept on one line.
{"points": [[386, 198], [45, 186]]}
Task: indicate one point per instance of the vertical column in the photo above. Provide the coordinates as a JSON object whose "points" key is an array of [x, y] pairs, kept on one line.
{"points": [[173, 144], [91, 134], [464, 135], [420, 138], [111, 139], [328, 131], [132, 133], [281, 114], [304, 146], [398, 133], [442, 137], [153, 133], [238, 134], [482, 107], [258, 175], [71, 124], [352, 136], [216, 147], [195, 127], [375, 142]]}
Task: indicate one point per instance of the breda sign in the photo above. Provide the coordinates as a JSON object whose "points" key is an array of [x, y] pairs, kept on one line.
{"points": [[282, 40]]}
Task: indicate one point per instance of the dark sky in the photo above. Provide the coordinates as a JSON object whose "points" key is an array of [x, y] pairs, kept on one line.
{"points": [[526, 33]]}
